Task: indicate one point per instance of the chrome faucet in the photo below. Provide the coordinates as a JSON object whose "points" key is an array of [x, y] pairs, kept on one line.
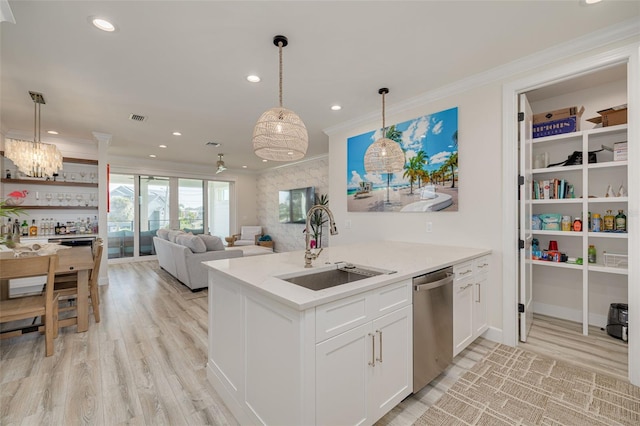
{"points": [[308, 255]]}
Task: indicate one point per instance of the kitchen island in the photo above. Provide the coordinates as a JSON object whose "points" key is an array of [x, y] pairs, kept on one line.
{"points": [[282, 354]]}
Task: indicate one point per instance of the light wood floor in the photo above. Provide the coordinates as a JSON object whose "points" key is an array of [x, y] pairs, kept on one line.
{"points": [[144, 363], [564, 340]]}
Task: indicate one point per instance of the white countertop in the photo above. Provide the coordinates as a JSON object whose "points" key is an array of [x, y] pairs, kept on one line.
{"points": [[408, 259]]}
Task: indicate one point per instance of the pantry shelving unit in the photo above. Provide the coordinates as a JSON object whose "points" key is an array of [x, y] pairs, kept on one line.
{"points": [[590, 182]]}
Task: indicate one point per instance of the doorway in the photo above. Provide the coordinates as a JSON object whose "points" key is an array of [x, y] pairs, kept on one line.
{"points": [[553, 80]]}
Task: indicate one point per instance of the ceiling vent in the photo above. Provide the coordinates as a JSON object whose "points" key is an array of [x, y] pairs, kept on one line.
{"points": [[136, 117], [214, 144]]}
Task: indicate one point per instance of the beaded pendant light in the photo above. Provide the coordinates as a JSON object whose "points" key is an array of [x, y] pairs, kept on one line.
{"points": [[384, 155], [279, 134]]}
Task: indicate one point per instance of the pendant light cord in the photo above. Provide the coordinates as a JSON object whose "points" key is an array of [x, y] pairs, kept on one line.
{"points": [[383, 124], [280, 68]]}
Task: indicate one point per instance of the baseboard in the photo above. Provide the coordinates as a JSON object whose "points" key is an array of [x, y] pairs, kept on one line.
{"points": [[494, 334], [236, 409], [569, 314]]}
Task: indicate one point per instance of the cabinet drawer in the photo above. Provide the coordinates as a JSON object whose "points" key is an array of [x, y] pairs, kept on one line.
{"points": [[463, 270], [337, 317], [391, 297], [481, 265], [342, 315]]}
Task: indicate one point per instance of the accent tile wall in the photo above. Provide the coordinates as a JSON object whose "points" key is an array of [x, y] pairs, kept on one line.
{"points": [[313, 172]]}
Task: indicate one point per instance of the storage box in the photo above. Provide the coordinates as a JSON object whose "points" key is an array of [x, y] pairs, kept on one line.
{"points": [[615, 260], [611, 116], [620, 151], [556, 127], [557, 114]]}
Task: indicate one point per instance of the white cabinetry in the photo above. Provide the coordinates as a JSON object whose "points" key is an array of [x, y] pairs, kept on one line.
{"points": [[590, 182], [469, 302], [343, 362]]}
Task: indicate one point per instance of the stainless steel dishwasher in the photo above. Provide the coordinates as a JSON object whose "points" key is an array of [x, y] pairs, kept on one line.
{"points": [[432, 325]]}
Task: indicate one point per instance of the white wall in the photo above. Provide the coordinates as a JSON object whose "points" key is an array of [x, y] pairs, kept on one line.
{"points": [[313, 172], [477, 223]]}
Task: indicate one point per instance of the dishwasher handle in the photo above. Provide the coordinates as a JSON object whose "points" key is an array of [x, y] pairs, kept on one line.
{"points": [[434, 284]]}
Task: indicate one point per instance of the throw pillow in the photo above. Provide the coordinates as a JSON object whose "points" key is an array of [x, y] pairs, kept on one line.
{"points": [[192, 242], [212, 242], [173, 234], [163, 233]]}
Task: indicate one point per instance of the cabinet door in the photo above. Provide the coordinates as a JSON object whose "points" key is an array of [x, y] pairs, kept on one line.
{"points": [[342, 374], [462, 314], [480, 323], [392, 374]]}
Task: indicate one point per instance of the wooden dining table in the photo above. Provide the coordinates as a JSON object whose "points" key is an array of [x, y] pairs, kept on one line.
{"points": [[78, 260]]}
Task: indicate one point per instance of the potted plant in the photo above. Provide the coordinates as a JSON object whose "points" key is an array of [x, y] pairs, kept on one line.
{"points": [[8, 210], [318, 219]]}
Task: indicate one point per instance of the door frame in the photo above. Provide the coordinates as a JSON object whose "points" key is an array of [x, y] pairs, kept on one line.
{"points": [[627, 54]]}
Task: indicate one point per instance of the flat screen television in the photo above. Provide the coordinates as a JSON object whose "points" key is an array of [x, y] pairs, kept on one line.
{"points": [[293, 204]]}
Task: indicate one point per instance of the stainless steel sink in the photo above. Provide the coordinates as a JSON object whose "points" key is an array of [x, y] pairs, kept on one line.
{"points": [[341, 273]]}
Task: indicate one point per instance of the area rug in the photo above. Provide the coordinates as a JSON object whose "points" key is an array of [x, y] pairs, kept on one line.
{"points": [[511, 386]]}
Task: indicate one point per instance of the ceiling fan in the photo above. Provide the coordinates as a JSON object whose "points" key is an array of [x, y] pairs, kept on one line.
{"points": [[220, 164]]}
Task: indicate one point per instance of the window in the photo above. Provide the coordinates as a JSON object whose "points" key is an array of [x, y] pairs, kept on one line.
{"points": [[191, 205], [154, 210], [121, 216], [219, 211]]}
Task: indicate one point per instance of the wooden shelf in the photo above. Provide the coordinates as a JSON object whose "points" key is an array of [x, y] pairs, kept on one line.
{"points": [[49, 183], [58, 207]]}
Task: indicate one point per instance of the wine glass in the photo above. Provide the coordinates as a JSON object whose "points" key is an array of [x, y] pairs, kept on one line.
{"points": [[60, 198], [92, 175], [73, 177], [82, 175], [67, 197], [64, 176], [48, 196], [37, 197], [92, 197], [80, 199]]}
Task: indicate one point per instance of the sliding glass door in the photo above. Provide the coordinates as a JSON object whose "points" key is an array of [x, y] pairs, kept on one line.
{"points": [[193, 205]]}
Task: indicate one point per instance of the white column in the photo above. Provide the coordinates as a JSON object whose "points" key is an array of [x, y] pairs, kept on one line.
{"points": [[104, 140]]}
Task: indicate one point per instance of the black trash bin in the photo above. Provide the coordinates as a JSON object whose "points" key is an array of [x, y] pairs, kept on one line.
{"points": [[618, 321]]}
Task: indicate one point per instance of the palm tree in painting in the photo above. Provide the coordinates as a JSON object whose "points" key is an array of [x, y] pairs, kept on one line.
{"points": [[394, 134], [411, 171], [452, 163], [455, 139], [420, 161]]}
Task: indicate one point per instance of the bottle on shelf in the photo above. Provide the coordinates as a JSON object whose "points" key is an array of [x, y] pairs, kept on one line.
{"points": [[597, 223], [24, 229], [16, 229], [33, 229], [621, 221], [577, 224], [591, 253], [609, 221], [566, 223], [4, 230], [57, 228]]}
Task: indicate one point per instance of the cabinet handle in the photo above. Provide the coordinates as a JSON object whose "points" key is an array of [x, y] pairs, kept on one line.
{"points": [[373, 350], [466, 286], [380, 333], [484, 265], [478, 284], [468, 271]]}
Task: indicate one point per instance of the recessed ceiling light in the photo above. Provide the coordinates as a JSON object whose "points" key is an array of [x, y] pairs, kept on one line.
{"points": [[177, 134], [52, 132], [162, 146], [592, 1], [244, 167], [152, 155], [336, 107], [253, 78], [103, 24], [264, 161]]}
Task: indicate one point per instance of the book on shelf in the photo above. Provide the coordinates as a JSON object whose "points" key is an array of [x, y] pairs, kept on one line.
{"points": [[554, 189]]}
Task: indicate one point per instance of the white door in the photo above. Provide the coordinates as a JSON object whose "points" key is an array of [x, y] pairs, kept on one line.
{"points": [[342, 375], [525, 291], [392, 374]]}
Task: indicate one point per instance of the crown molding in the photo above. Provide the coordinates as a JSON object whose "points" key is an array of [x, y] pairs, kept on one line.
{"points": [[296, 163], [597, 39]]}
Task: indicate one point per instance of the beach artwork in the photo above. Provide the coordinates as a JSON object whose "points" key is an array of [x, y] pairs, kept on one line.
{"points": [[427, 182]]}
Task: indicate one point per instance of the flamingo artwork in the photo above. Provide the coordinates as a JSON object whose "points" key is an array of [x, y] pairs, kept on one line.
{"points": [[19, 194], [16, 198]]}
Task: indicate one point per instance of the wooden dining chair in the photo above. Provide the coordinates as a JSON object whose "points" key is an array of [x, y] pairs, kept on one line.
{"points": [[66, 287], [44, 305]]}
